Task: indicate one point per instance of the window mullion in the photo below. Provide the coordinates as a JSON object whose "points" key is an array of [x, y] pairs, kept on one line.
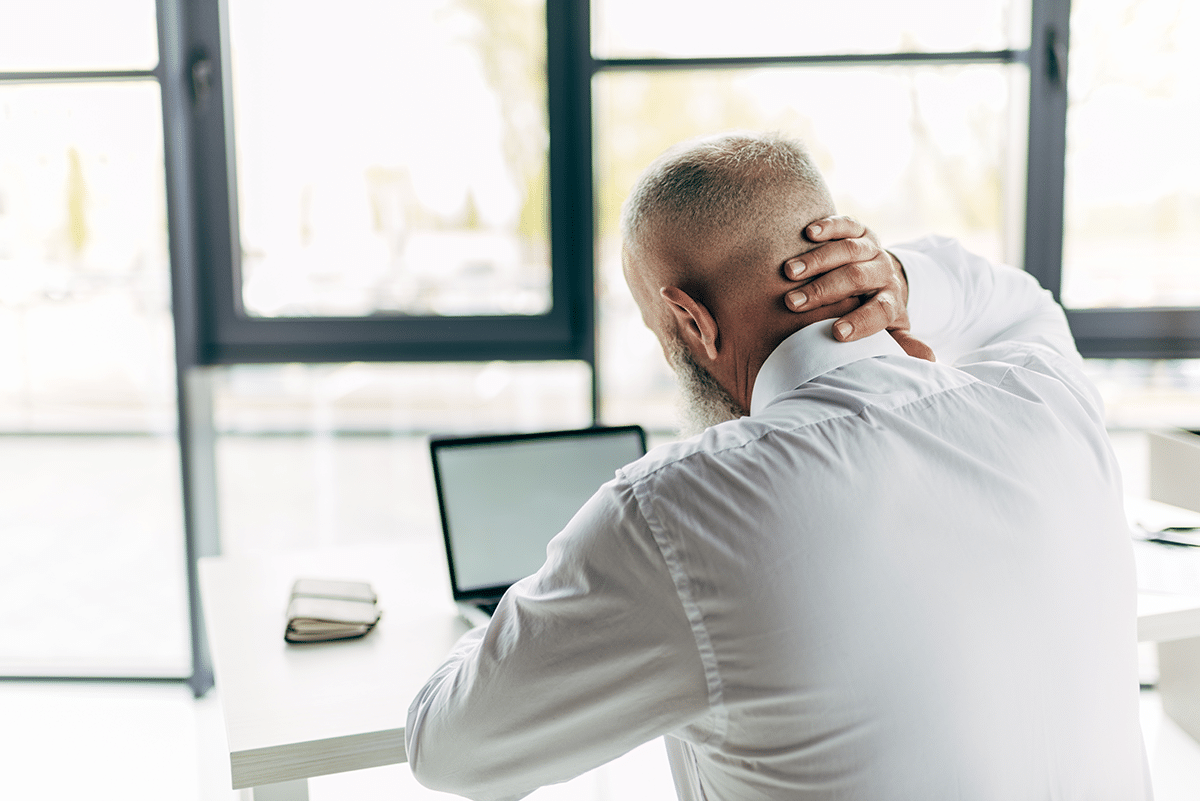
{"points": [[1047, 141]]}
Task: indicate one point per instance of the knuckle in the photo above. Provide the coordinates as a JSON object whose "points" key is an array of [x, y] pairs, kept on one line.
{"points": [[874, 318], [862, 248], [856, 273], [893, 308], [816, 293], [887, 305]]}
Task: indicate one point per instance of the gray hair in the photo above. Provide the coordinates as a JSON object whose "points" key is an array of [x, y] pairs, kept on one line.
{"points": [[706, 185]]}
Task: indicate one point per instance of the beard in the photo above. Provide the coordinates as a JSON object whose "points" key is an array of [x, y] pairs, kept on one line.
{"points": [[703, 402]]}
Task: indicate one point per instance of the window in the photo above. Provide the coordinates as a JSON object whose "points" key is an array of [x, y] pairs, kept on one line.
{"points": [[313, 455], [362, 192], [346, 248], [92, 579], [385, 194], [1132, 219]]}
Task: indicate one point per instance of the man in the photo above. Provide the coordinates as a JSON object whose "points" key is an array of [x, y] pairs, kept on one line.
{"points": [[871, 576]]}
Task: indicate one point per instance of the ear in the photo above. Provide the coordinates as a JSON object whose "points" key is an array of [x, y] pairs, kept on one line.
{"points": [[697, 327]]}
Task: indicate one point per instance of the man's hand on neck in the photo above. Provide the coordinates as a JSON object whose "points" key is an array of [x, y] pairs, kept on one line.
{"points": [[850, 262]]}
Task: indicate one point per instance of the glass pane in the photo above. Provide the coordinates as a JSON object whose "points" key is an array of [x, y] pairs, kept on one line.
{"points": [[935, 157], [391, 157], [663, 28], [66, 35], [1133, 178], [337, 454], [1147, 395], [91, 578]]}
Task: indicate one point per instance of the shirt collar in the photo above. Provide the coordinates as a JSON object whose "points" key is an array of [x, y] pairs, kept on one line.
{"points": [[810, 352]]}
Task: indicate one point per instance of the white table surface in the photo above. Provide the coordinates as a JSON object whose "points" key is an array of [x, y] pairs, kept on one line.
{"points": [[1168, 591], [296, 711], [1165, 617]]}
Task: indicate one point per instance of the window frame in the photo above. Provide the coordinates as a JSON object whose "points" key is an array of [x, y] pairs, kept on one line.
{"points": [[1127, 333], [224, 334], [165, 78]]}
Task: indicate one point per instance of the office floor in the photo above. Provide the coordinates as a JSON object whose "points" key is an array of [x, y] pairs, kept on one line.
{"points": [[154, 741]]}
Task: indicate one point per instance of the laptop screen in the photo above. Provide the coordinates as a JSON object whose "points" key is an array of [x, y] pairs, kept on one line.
{"points": [[502, 498]]}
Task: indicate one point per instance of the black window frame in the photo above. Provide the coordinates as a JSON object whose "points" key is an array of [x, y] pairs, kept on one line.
{"points": [[221, 333], [1146, 332]]}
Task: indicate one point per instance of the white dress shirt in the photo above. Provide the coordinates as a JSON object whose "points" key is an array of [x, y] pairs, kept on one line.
{"points": [[892, 580]]}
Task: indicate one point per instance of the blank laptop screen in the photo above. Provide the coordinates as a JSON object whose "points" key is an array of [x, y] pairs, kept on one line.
{"points": [[504, 498]]}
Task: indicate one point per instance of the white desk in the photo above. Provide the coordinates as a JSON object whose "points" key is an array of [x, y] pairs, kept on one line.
{"points": [[1166, 617], [295, 711], [1169, 615], [292, 712]]}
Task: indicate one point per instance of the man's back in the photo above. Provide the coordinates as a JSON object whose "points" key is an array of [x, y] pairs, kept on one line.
{"points": [[891, 580], [914, 583]]}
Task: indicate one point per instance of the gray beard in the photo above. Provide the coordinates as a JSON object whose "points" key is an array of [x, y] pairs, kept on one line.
{"points": [[703, 402]]}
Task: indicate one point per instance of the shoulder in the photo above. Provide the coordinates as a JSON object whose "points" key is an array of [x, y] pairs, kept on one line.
{"points": [[728, 440], [1037, 372]]}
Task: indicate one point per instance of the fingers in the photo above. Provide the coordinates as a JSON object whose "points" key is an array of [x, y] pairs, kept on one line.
{"points": [[854, 278], [831, 255], [836, 227], [881, 312]]}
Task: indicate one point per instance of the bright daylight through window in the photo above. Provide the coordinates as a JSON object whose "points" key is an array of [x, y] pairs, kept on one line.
{"points": [[1133, 176], [91, 527], [401, 167]]}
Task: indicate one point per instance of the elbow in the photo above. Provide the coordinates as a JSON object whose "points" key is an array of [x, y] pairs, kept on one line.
{"points": [[453, 770], [428, 759], [434, 767], [448, 761]]}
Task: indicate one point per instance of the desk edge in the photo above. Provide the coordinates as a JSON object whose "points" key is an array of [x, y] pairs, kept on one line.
{"points": [[256, 766]]}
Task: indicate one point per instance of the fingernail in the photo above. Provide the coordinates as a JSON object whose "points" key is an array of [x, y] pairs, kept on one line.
{"points": [[798, 268], [798, 300], [815, 229], [844, 330]]}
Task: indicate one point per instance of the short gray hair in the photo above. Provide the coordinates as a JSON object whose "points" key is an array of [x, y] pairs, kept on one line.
{"points": [[707, 184]]}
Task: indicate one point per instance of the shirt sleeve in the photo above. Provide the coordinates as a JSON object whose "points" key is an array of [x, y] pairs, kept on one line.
{"points": [[960, 303], [985, 318], [583, 661]]}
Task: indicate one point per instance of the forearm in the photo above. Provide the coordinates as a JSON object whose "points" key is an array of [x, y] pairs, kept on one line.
{"points": [[582, 662], [487, 731]]}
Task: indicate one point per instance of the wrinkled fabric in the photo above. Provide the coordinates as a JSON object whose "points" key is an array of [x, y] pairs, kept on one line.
{"points": [[892, 580]]}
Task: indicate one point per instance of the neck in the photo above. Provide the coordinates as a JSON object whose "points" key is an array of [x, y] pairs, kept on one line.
{"points": [[745, 347]]}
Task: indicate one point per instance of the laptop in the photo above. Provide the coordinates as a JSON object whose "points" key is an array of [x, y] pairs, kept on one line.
{"points": [[502, 497]]}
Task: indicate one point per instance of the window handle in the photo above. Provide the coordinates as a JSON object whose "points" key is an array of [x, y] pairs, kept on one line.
{"points": [[202, 79], [1056, 57]]}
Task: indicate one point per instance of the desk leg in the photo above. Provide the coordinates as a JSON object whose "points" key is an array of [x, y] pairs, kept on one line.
{"points": [[1179, 683], [284, 791]]}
